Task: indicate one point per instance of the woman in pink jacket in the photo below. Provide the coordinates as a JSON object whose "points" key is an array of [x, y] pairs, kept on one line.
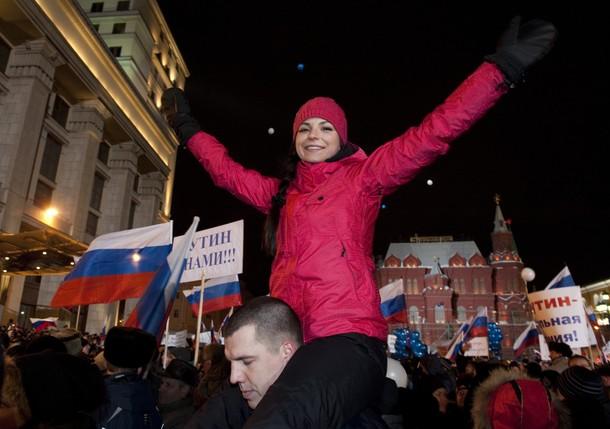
{"points": [[320, 221]]}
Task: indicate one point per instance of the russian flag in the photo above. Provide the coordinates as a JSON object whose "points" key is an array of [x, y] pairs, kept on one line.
{"points": [[563, 279], [393, 305], [42, 324], [527, 338], [218, 294], [477, 335], [458, 339], [116, 266], [153, 308]]}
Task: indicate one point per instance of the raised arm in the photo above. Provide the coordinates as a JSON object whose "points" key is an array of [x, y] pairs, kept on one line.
{"points": [[248, 185], [400, 159]]}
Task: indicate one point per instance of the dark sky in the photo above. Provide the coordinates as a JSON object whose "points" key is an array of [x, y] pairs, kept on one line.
{"points": [[543, 148]]}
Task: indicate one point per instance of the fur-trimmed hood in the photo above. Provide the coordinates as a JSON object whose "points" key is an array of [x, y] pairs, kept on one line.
{"points": [[510, 399]]}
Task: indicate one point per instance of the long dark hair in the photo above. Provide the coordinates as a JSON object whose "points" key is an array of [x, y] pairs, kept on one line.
{"points": [[277, 202]]}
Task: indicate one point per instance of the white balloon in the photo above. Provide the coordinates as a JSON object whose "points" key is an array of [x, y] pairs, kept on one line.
{"points": [[430, 182], [528, 274], [270, 131], [397, 373]]}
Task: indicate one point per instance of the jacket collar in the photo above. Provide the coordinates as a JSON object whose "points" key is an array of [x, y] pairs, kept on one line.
{"points": [[309, 176]]}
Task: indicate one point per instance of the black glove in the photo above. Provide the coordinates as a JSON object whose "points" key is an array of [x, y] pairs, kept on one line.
{"points": [[521, 46], [175, 107]]}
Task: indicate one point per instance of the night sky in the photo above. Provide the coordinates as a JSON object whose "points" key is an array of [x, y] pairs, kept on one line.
{"points": [[543, 148]]}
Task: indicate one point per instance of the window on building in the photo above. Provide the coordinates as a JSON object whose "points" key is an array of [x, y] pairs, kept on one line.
{"points": [[5, 53], [103, 152], [482, 286], [98, 190], [96, 27], [461, 314], [475, 286], [132, 214], [43, 195], [136, 182], [176, 314], [409, 287], [122, 5], [439, 313], [413, 315], [115, 50], [119, 28], [462, 286], [97, 6], [60, 111], [92, 221], [50, 158], [415, 287]]}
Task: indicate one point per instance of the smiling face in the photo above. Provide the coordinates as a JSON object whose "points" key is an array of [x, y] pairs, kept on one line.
{"points": [[316, 140], [254, 365]]}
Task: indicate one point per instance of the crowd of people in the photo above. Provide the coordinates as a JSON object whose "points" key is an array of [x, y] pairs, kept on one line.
{"points": [[61, 379]]}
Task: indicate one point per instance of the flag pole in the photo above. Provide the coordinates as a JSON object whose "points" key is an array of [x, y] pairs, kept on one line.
{"points": [[77, 317], [199, 317], [116, 313], [166, 344]]}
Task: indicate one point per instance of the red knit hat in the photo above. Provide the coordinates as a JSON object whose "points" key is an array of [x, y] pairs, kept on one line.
{"points": [[325, 108]]}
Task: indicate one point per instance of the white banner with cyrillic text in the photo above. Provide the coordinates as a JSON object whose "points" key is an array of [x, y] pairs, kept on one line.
{"points": [[215, 252], [560, 315]]}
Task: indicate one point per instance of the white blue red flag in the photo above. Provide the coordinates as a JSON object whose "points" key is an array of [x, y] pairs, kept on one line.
{"points": [[458, 340], [527, 338], [563, 279], [393, 305], [116, 266], [218, 294], [477, 336], [153, 308], [41, 324]]}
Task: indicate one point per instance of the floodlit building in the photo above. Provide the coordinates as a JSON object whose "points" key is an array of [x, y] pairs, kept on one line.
{"points": [[84, 149], [446, 282]]}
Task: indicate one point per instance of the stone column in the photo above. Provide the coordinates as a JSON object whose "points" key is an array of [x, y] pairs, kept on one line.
{"points": [[30, 73], [116, 202]]}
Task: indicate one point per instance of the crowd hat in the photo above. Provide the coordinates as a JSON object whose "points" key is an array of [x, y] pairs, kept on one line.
{"points": [[325, 108], [129, 347], [578, 383], [179, 369]]}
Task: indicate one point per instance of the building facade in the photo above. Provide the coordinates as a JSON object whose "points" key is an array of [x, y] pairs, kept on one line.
{"points": [[84, 149], [446, 282]]}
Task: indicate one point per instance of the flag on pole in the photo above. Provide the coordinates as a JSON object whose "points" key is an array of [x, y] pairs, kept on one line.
{"points": [[153, 308], [458, 339], [393, 305], [563, 279], [226, 318], [42, 324], [218, 294], [116, 266], [477, 335], [527, 338]]}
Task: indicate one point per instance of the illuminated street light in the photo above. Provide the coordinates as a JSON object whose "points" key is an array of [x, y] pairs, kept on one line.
{"points": [[50, 214]]}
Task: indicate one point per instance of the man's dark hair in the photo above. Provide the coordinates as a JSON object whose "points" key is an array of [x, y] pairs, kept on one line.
{"points": [[272, 319], [561, 348]]}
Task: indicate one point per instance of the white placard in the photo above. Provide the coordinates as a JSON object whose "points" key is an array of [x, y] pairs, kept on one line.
{"points": [[216, 251], [176, 339], [478, 346], [560, 315]]}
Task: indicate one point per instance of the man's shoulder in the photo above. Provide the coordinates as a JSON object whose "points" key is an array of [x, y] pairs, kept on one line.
{"points": [[225, 410]]}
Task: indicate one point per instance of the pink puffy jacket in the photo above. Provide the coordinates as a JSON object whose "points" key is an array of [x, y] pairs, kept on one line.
{"points": [[323, 267]]}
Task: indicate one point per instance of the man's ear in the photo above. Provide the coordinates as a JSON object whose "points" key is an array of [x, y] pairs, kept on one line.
{"points": [[287, 349]]}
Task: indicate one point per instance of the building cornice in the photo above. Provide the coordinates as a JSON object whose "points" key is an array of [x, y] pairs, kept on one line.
{"points": [[65, 25], [603, 285]]}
